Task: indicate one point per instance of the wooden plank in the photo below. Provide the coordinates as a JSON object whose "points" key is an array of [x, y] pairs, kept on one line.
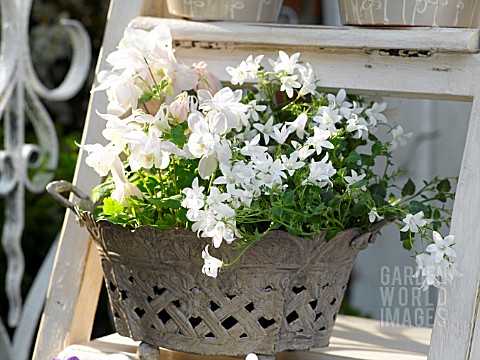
{"points": [[456, 333], [73, 292], [353, 338], [431, 39]]}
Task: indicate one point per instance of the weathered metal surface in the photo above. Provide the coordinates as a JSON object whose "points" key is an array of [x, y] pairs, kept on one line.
{"points": [[283, 294]]}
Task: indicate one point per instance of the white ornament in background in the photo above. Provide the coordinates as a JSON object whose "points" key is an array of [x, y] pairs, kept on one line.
{"points": [[27, 166]]}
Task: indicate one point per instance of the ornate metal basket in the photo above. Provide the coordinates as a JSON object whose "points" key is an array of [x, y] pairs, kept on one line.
{"points": [[283, 294]]}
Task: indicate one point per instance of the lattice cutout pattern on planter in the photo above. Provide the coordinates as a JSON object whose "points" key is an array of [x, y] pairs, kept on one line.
{"points": [[284, 294]]}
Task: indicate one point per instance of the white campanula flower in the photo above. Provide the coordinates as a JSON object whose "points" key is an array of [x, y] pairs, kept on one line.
{"points": [[284, 63], [252, 110], [373, 215], [211, 264], [320, 172], [304, 151], [298, 125], [289, 82], [246, 71], [430, 269], [194, 197], [413, 222], [357, 126], [327, 119], [281, 135], [251, 148], [442, 246], [267, 129], [291, 164], [319, 140], [308, 81], [400, 139], [354, 178], [375, 115], [253, 65]]}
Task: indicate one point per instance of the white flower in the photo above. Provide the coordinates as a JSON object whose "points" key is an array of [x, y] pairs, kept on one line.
{"points": [[211, 264], [281, 135], [327, 118], [291, 164], [442, 247], [430, 270], [450, 272], [375, 115], [239, 74], [413, 222], [355, 124], [399, 138], [227, 103], [247, 70], [320, 172], [289, 82], [298, 125], [319, 139], [284, 63], [194, 199], [304, 151], [251, 148], [373, 215], [308, 81], [354, 179], [251, 356], [123, 187], [267, 129], [253, 109], [101, 158]]}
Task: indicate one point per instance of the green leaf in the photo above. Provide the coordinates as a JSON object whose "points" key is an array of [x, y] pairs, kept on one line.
{"points": [[444, 186], [353, 157], [172, 202], [111, 207], [178, 135], [376, 148], [331, 233], [359, 184], [378, 190], [103, 190], [416, 207], [436, 225], [407, 244], [288, 197], [277, 211], [359, 210], [409, 188], [146, 97]]}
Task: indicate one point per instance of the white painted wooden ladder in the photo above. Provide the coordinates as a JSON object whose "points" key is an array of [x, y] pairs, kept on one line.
{"points": [[416, 62]]}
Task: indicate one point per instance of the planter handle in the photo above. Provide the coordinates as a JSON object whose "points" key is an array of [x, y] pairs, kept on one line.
{"points": [[56, 188]]}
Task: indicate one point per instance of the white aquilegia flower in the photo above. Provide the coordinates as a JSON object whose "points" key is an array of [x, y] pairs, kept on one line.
{"points": [[413, 222], [399, 138], [101, 158], [373, 215], [442, 246], [211, 264]]}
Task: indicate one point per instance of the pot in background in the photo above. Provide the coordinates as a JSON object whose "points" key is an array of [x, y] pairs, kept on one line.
{"points": [[435, 13], [227, 10]]}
